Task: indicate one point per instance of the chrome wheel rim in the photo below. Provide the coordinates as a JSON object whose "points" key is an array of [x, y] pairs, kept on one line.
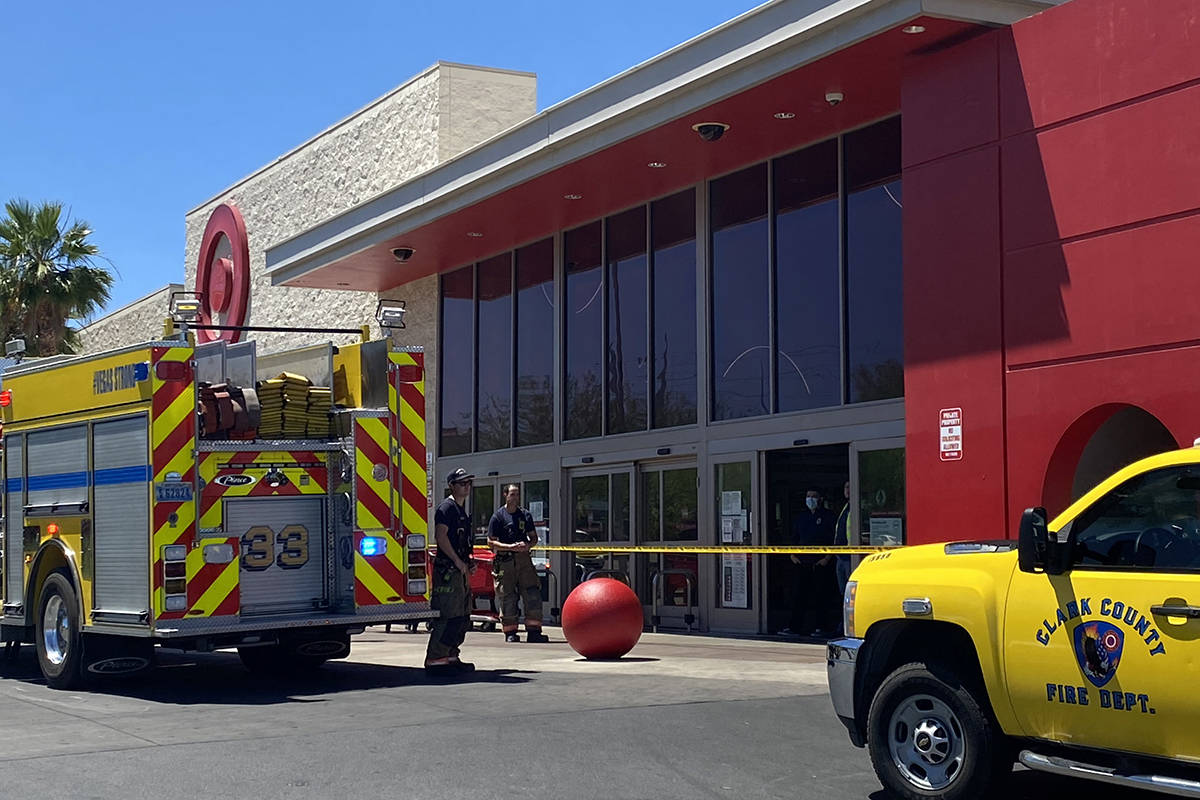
{"points": [[925, 740], [56, 630]]}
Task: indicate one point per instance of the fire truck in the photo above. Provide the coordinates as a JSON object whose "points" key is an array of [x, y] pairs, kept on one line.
{"points": [[201, 497]]}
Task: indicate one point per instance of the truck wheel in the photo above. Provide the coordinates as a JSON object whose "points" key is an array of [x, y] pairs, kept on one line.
{"points": [[59, 645], [930, 738]]}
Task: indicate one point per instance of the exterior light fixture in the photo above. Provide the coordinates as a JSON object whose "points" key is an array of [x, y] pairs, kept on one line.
{"points": [[784, 115], [572, 197], [185, 306], [656, 164], [390, 314], [14, 348], [913, 29]]}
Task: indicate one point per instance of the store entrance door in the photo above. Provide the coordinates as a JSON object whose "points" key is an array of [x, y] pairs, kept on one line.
{"points": [[801, 592]]}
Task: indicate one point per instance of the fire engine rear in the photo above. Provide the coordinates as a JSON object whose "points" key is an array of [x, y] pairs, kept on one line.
{"points": [[202, 497]]}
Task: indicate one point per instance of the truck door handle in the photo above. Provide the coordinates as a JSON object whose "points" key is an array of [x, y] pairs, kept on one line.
{"points": [[1191, 612]]}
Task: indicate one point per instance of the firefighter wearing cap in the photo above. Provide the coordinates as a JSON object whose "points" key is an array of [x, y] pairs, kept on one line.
{"points": [[510, 535], [451, 591]]}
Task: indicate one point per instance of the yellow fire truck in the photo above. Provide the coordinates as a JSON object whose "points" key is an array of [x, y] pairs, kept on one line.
{"points": [[153, 498]]}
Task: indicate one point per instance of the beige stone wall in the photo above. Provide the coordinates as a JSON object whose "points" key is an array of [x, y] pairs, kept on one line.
{"points": [[433, 117], [139, 321], [478, 103]]}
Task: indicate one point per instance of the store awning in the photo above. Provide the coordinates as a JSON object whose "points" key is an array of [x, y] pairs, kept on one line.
{"points": [[765, 74]]}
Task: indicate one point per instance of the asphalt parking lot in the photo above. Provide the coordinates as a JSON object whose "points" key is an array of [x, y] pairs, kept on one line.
{"points": [[679, 717]]}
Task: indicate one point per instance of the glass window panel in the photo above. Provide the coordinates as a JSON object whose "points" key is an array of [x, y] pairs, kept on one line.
{"points": [[874, 262], [679, 505], [590, 500], [494, 412], [620, 507], [808, 285], [628, 382], [651, 501], [457, 357], [740, 309], [673, 236], [881, 502], [535, 343], [584, 334], [535, 496], [483, 505]]}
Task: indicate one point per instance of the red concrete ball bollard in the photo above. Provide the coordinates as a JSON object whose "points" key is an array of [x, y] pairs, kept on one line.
{"points": [[602, 618]]}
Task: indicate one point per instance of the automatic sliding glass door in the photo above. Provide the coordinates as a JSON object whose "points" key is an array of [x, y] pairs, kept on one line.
{"points": [[601, 507]]}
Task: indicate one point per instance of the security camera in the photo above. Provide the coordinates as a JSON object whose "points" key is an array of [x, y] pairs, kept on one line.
{"points": [[402, 254], [710, 131], [834, 98]]}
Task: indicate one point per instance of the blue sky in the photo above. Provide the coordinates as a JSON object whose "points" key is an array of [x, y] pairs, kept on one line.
{"points": [[132, 113]]}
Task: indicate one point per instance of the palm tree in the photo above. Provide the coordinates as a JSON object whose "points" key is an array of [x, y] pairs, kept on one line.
{"points": [[48, 276]]}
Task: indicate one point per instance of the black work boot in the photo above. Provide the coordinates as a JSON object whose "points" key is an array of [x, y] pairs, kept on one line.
{"points": [[512, 637], [535, 635]]}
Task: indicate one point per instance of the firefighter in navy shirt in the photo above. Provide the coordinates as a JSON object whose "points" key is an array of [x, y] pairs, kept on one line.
{"points": [[451, 591], [510, 535]]}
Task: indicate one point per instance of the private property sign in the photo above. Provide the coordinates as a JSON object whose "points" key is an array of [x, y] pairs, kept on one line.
{"points": [[951, 434]]}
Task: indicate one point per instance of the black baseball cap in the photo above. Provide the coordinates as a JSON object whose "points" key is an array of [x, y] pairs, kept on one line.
{"points": [[459, 475]]}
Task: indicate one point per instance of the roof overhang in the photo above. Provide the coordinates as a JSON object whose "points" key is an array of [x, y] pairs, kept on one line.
{"points": [[510, 190]]}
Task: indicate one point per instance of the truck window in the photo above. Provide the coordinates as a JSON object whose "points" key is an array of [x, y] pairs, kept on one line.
{"points": [[1152, 521]]}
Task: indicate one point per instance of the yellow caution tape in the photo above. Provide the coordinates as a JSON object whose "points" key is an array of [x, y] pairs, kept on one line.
{"points": [[769, 550]]}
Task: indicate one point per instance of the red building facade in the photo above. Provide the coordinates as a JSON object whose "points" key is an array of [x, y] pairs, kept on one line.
{"points": [[1052, 187]]}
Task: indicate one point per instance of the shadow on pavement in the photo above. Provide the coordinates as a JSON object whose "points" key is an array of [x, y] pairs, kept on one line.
{"points": [[1026, 784], [621, 660], [219, 678]]}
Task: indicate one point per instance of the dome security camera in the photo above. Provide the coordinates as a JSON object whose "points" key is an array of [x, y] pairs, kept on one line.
{"points": [[834, 98], [402, 254], [710, 131]]}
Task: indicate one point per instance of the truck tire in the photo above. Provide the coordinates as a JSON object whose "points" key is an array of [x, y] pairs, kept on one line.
{"points": [[929, 737], [59, 641]]}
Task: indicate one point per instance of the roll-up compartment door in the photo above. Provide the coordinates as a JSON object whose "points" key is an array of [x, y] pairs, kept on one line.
{"points": [[282, 565], [121, 515]]}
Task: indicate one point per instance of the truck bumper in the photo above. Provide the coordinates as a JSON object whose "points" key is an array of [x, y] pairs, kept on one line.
{"points": [[842, 660]]}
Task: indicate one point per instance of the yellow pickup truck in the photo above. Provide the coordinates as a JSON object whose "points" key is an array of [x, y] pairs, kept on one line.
{"points": [[1073, 650]]}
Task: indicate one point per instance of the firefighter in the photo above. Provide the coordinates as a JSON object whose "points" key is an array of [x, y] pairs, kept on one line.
{"points": [[451, 592], [511, 534]]}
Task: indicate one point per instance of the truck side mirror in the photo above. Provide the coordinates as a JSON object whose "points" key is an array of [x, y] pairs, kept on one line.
{"points": [[1034, 545]]}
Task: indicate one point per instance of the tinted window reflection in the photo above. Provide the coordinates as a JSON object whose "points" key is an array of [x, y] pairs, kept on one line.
{"points": [[673, 234], [874, 262], [584, 333], [741, 319], [627, 375], [535, 343], [808, 293], [457, 361], [494, 412]]}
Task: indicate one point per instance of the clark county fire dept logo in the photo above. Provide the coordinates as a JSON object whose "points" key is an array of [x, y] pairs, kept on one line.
{"points": [[223, 274], [1098, 647]]}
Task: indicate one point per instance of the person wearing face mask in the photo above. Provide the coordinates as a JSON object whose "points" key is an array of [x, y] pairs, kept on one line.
{"points": [[812, 527]]}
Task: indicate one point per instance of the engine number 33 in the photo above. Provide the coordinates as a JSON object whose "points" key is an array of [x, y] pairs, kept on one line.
{"points": [[262, 547]]}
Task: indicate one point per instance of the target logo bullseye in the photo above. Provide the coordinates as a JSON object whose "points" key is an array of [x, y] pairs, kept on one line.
{"points": [[223, 274]]}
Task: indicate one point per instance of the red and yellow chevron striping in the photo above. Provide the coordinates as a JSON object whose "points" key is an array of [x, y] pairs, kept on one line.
{"points": [[372, 487], [381, 578], [257, 476], [406, 407], [213, 588], [172, 444]]}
